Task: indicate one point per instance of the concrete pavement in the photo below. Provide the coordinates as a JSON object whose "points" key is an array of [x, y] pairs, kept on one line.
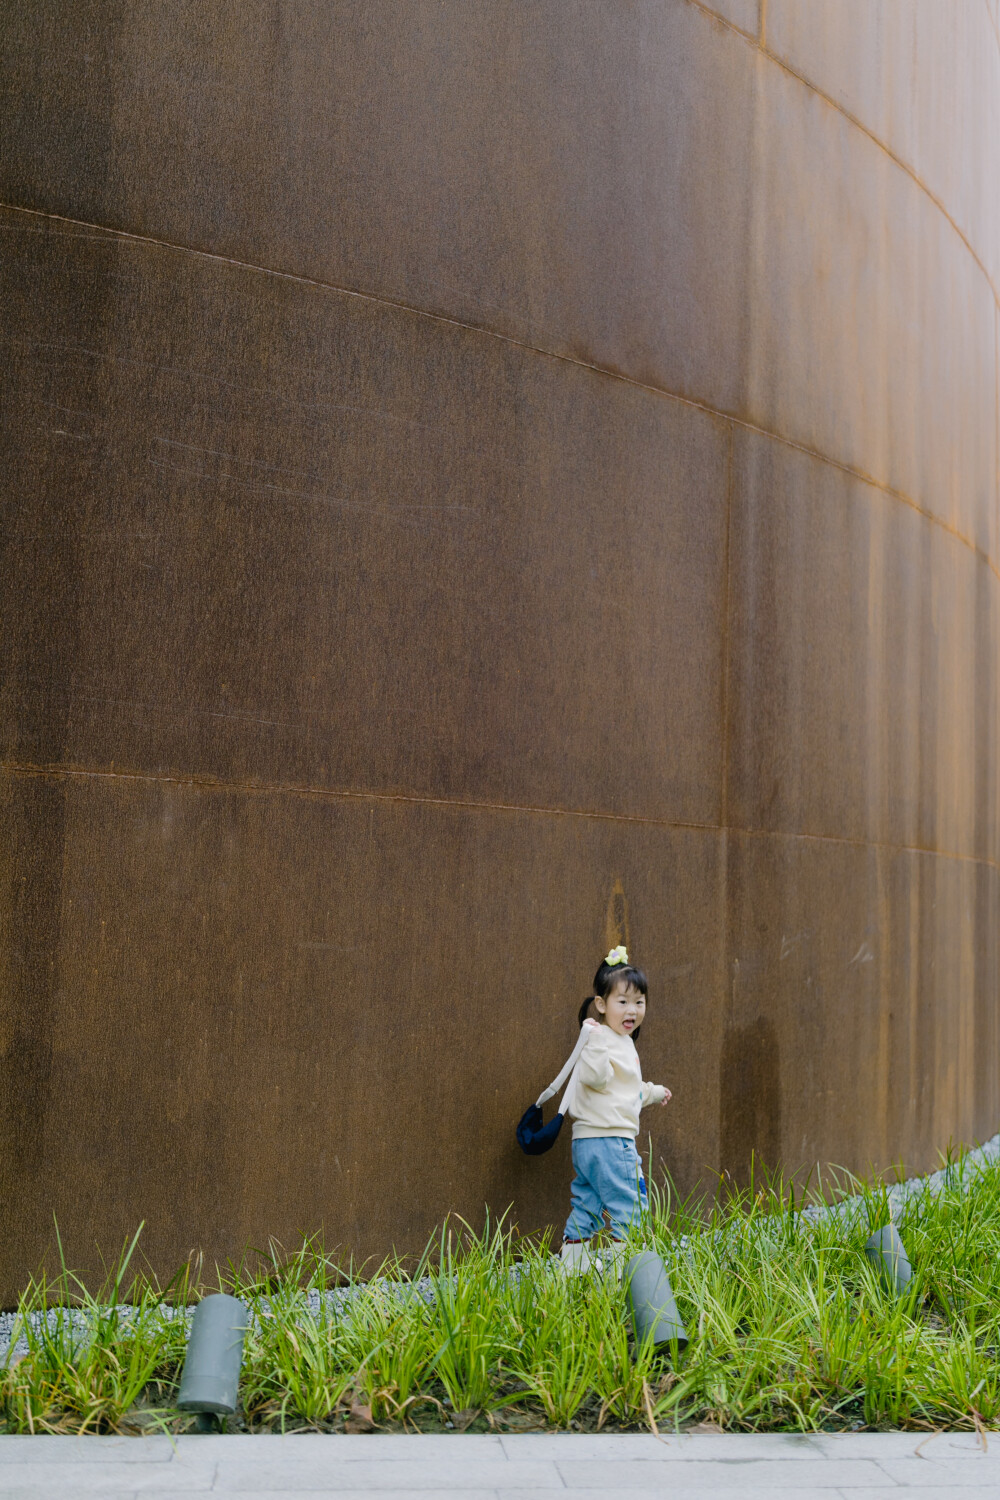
{"points": [[542, 1466]]}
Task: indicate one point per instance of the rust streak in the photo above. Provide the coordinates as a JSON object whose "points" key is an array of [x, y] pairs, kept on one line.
{"points": [[725, 23], [853, 119], [882, 844], [206, 783], [715, 413], [993, 24], [209, 783]]}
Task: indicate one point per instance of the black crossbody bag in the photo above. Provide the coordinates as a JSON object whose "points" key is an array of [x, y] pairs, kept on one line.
{"points": [[535, 1137]]}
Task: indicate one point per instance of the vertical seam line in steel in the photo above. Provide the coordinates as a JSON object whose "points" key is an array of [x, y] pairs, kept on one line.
{"points": [[996, 377], [726, 633]]}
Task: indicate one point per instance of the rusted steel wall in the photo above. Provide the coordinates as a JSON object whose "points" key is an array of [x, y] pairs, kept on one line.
{"points": [[481, 481]]}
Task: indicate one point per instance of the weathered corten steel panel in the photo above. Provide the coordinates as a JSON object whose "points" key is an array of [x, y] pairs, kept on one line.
{"points": [[482, 481], [923, 79], [294, 1036]]}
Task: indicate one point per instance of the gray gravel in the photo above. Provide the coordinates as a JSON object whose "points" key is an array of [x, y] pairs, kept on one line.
{"points": [[962, 1172], [850, 1211]]}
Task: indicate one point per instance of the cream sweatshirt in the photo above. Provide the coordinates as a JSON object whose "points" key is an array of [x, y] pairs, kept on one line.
{"points": [[609, 1092]]}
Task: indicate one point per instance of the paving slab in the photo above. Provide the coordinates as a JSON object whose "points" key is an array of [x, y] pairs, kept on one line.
{"points": [[670, 1485], [70, 1478], [722, 1473], [307, 1447], [327, 1471], [525, 1466], [381, 1491], [929, 1492], [668, 1447], [47, 1449], [45, 1492], [921, 1473], [940, 1446]]}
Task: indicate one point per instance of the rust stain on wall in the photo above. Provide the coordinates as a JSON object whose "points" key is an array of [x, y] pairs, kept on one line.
{"points": [[750, 1141]]}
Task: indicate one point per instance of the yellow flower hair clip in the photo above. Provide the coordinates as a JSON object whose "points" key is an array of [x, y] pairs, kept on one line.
{"points": [[615, 957]]}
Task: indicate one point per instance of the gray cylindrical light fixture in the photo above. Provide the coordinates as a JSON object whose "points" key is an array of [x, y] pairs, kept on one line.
{"points": [[211, 1378], [651, 1299], [887, 1254]]}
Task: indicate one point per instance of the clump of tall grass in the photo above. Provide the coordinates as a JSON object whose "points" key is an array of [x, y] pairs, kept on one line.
{"points": [[791, 1330], [93, 1358]]}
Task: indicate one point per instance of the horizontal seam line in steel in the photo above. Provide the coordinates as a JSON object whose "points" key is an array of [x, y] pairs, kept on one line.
{"points": [[336, 794], [505, 338], [760, 45]]}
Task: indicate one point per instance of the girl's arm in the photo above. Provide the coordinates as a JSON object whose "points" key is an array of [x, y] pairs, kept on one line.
{"points": [[595, 1067], [653, 1093]]}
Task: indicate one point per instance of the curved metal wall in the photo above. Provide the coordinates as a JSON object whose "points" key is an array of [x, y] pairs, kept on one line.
{"points": [[481, 481]]}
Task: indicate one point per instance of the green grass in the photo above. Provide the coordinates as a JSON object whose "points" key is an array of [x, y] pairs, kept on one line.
{"points": [[791, 1331]]}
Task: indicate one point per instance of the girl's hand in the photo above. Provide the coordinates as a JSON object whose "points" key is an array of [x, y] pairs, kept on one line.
{"points": [[591, 1025], [667, 1096]]}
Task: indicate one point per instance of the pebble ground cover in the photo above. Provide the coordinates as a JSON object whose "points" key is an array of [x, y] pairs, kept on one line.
{"points": [[791, 1330]]}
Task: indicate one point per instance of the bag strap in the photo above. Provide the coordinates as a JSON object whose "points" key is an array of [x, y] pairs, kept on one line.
{"points": [[564, 1072], [570, 1087]]}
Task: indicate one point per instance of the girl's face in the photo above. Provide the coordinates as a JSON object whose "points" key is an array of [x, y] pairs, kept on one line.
{"points": [[624, 1008]]}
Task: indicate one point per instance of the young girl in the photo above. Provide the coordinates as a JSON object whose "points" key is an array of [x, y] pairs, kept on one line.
{"points": [[605, 1104]]}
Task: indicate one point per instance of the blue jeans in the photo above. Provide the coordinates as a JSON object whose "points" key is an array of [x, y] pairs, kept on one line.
{"points": [[608, 1180]]}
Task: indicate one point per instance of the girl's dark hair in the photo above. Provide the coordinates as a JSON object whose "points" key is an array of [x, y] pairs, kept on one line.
{"points": [[605, 980]]}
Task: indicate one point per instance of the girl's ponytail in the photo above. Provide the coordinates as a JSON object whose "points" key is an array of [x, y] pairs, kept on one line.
{"points": [[584, 1008]]}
